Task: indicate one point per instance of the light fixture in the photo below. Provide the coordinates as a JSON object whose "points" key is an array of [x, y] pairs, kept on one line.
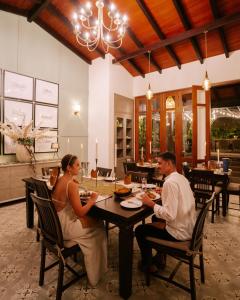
{"points": [[206, 82], [76, 110], [90, 30], [149, 93]]}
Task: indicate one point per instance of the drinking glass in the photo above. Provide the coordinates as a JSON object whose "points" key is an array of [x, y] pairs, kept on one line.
{"points": [[144, 184]]}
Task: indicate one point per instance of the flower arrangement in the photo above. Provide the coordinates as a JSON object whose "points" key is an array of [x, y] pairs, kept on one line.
{"points": [[24, 135]]}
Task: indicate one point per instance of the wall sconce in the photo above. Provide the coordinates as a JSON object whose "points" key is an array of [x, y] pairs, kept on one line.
{"points": [[76, 110]]}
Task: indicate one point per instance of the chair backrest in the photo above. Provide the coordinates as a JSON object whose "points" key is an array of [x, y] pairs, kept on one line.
{"points": [[197, 234], [49, 222], [137, 176], [129, 166], [104, 172], [41, 188], [46, 171], [202, 181]]}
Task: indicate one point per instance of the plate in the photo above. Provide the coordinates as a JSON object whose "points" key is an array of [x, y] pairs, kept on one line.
{"points": [[131, 203], [157, 196], [150, 186], [109, 179]]}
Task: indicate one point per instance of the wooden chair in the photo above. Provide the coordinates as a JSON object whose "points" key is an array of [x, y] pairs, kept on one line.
{"points": [[52, 240], [203, 185], [233, 189], [42, 190], [186, 169], [137, 176], [104, 172], [129, 166], [185, 252]]}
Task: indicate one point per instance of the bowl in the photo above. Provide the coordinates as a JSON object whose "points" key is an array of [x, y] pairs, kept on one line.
{"points": [[123, 192]]}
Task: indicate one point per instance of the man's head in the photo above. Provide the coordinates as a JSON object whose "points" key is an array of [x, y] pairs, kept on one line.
{"points": [[167, 163]]}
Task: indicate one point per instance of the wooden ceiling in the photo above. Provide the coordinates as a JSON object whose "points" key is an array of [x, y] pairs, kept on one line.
{"points": [[173, 30], [226, 95]]}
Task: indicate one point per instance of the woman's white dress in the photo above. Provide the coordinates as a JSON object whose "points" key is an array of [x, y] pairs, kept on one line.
{"points": [[92, 241]]}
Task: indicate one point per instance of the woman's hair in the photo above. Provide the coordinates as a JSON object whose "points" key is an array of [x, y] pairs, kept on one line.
{"points": [[68, 160]]}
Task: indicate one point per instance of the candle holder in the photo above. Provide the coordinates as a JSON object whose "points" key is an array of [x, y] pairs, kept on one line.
{"points": [[96, 171], [115, 171]]}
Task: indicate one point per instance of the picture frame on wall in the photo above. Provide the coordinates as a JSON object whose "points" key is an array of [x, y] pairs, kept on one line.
{"points": [[47, 92], [9, 146], [46, 116], [17, 86], [20, 113], [44, 145]]}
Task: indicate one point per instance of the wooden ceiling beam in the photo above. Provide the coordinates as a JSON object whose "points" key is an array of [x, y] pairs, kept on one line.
{"points": [[132, 63], [215, 12], [36, 10], [14, 10], [140, 45], [61, 39], [157, 30], [98, 50], [187, 25], [182, 36]]}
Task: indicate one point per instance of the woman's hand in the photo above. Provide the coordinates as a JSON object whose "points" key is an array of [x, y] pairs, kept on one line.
{"points": [[93, 198], [147, 201]]}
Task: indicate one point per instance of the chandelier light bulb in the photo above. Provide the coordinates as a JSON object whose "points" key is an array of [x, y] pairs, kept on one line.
{"points": [[125, 18], [112, 7], [206, 83], [75, 16], [88, 5]]}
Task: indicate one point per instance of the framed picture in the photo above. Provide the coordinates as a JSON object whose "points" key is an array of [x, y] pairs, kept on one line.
{"points": [[46, 92], [17, 86], [9, 147], [45, 144], [46, 116], [17, 112]]}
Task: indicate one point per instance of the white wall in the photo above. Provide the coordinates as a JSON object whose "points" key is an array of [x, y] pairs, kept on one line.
{"points": [[105, 79], [27, 49], [219, 68]]}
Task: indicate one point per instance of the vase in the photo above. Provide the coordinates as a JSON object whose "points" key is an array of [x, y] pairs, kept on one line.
{"points": [[22, 153]]}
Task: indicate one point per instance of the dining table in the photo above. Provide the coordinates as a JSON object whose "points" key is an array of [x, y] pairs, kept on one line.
{"points": [[109, 210]]}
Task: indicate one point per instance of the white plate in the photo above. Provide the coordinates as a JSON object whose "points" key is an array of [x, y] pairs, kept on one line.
{"points": [[139, 195], [131, 203], [110, 179], [150, 186]]}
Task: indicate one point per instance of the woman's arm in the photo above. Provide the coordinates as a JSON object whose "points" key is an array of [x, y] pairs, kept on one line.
{"points": [[74, 199]]}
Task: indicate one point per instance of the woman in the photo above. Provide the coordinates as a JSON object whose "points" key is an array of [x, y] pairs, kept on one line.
{"points": [[76, 225]]}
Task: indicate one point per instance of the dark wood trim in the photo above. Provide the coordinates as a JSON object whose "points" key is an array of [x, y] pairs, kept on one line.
{"points": [[194, 126], [60, 38], [208, 125], [187, 25], [148, 128], [132, 63], [58, 14], [36, 10], [182, 36], [157, 30], [14, 10], [215, 12], [140, 45]]}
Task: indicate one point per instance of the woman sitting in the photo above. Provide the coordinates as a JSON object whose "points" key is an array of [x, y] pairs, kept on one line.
{"points": [[76, 225]]}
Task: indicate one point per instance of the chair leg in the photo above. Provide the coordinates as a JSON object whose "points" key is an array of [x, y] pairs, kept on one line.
{"points": [[42, 264], [212, 219], [60, 280], [143, 221], [106, 228], [38, 235], [192, 279], [201, 265]]}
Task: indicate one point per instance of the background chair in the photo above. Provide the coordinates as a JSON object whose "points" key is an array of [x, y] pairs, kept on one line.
{"points": [[185, 252], [104, 172], [186, 169], [52, 240], [137, 176], [129, 166], [203, 185], [46, 171], [233, 189]]}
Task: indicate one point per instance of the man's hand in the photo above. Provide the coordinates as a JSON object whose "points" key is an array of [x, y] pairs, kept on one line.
{"points": [[147, 201]]}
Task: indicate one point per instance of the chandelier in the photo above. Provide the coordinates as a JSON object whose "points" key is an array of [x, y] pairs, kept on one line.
{"points": [[90, 31]]}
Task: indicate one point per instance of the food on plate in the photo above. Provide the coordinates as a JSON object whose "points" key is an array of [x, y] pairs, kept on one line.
{"points": [[150, 194], [122, 190]]}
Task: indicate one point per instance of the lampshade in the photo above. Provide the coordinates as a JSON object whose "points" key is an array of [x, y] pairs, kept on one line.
{"points": [[149, 93], [206, 82]]}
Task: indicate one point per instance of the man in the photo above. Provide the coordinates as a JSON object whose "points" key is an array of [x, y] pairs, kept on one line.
{"points": [[177, 210]]}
